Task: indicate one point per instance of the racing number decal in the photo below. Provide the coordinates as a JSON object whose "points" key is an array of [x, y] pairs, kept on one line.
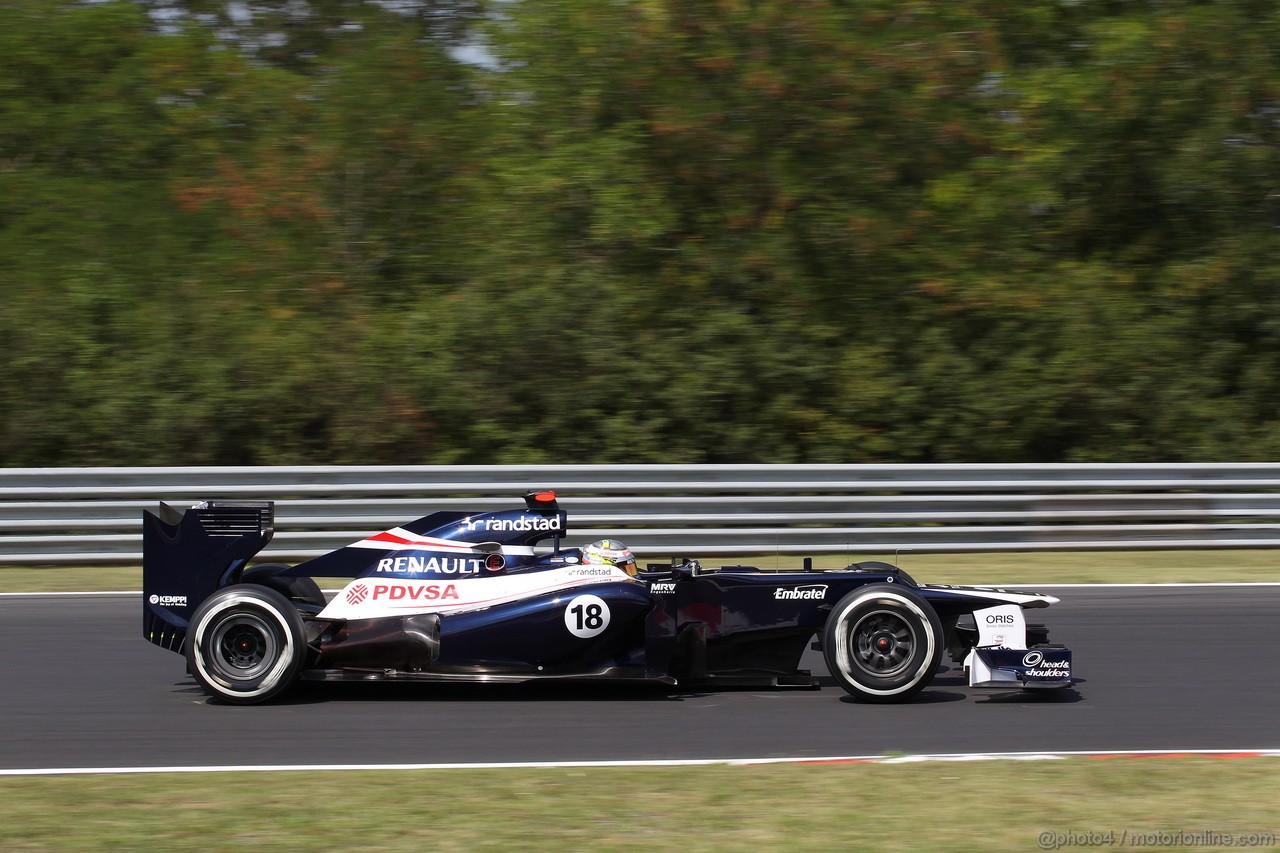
{"points": [[586, 616]]}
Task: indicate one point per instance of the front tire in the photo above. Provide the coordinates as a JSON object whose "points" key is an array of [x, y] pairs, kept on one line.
{"points": [[245, 644], [882, 643]]}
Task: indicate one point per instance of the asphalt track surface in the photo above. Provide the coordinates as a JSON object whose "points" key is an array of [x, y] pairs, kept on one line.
{"points": [[1160, 668]]}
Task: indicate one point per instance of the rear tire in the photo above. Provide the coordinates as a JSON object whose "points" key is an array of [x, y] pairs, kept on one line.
{"points": [[882, 643], [245, 644], [303, 590]]}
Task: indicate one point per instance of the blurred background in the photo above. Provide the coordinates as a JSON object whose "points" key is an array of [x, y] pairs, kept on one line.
{"points": [[333, 231]]}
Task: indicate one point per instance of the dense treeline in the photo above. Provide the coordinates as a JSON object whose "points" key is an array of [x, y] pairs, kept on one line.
{"points": [[648, 230]]}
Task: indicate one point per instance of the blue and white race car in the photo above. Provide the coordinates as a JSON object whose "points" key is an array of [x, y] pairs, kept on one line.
{"points": [[480, 597]]}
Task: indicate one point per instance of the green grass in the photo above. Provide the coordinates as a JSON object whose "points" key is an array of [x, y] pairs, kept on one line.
{"points": [[955, 807], [997, 568], [69, 578]]}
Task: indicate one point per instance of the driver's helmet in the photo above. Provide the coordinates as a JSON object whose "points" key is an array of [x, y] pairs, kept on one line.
{"points": [[610, 552]]}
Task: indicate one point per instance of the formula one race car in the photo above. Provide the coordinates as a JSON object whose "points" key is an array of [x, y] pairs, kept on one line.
{"points": [[458, 597]]}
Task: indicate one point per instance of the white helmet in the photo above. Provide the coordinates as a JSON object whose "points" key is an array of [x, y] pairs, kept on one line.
{"points": [[610, 552]]}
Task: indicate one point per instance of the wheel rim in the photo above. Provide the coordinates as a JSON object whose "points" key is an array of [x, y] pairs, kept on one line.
{"points": [[243, 647], [883, 644]]}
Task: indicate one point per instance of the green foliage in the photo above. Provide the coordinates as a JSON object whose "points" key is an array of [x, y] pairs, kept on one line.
{"points": [[649, 231]]}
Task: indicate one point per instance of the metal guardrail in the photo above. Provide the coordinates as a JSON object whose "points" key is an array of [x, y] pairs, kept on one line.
{"points": [[91, 515]]}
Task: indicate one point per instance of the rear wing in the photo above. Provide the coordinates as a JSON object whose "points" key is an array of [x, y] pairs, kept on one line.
{"points": [[188, 554]]}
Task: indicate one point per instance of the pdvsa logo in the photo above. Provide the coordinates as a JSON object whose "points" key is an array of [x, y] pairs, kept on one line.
{"points": [[427, 592], [357, 594]]}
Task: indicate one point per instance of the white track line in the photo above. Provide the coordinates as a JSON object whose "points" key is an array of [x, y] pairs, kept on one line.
{"points": [[692, 762]]}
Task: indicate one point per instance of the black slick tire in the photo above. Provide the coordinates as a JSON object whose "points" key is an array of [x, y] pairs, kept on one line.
{"points": [[882, 643], [245, 644], [302, 589]]}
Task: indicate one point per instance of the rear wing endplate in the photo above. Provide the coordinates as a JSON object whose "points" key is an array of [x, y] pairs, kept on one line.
{"points": [[188, 554]]}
